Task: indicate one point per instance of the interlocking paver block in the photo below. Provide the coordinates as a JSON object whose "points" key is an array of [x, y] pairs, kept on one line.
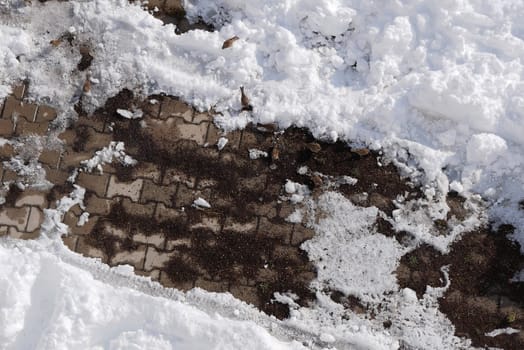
{"points": [[156, 239], [13, 107], [83, 230], [125, 189], [70, 241], [85, 249], [213, 134], [176, 176], [50, 158], [15, 217], [95, 123], [134, 258], [92, 182], [301, 234], [164, 213], [191, 132], [45, 113], [244, 293], [147, 171], [56, 176], [281, 232], [96, 205], [240, 227], [96, 140], [71, 159], [25, 128], [174, 108], [156, 259], [202, 117], [68, 136], [32, 197], [136, 209], [13, 232], [185, 196], [211, 223], [7, 128], [36, 218], [163, 194], [19, 91], [6, 151], [177, 243]]}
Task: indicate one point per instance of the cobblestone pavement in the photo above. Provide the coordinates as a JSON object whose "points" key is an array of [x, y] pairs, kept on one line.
{"points": [[143, 215]]}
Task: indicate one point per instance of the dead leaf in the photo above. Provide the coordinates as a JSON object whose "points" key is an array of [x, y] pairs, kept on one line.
{"points": [[229, 42]]}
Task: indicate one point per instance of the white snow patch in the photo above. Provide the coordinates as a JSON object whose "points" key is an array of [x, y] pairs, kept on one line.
{"points": [[256, 153], [497, 332], [201, 203], [115, 150], [137, 114], [222, 142]]}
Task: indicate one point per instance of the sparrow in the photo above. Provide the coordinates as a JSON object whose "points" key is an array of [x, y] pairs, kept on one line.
{"points": [[55, 42], [246, 105], [229, 42]]}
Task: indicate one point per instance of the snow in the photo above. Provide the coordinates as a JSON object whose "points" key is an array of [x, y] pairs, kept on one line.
{"points": [[507, 330], [115, 150], [256, 153], [222, 142], [201, 203], [436, 87], [128, 114]]}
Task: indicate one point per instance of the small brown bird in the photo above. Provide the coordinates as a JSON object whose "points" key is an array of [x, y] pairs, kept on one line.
{"points": [[313, 147], [87, 84], [229, 42], [246, 105], [317, 180]]}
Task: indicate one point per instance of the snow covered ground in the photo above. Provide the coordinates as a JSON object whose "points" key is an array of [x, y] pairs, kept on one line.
{"points": [[435, 85]]}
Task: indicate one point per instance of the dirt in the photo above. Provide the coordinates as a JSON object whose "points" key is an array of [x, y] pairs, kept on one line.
{"points": [[481, 297]]}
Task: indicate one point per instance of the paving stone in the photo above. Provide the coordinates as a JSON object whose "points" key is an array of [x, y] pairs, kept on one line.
{"points": [[25, 128], [7, 128], [266, 275], [6, 151], [174, 108], [136, 209], [201, 117], [45, 113], [285, 209], [16, 217], [253, 184], [134, 258], [168, 283], [126, 189], [147, 171], [13, 107], [14, 233], [87, 250], [68, 136], [96, 205], [246, 294], [157, 239], [173, 176], [249, 227], [36, 217], [72, 221], [32, 197], [191, 132], [185, 196], [4, 230], [172, 244], [163, 213], [50, 158], [281, 232], [212, 286], [301, 234], [267, 210], [96, 123], [97, 141], [287, 253], [233, 140], [249, 140], [94, 183], [163, 194], [211, 223], [213, 134], [56, 176], [19, 91], [70, 241], [156, 259], [118, 232], [71, 159]]}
